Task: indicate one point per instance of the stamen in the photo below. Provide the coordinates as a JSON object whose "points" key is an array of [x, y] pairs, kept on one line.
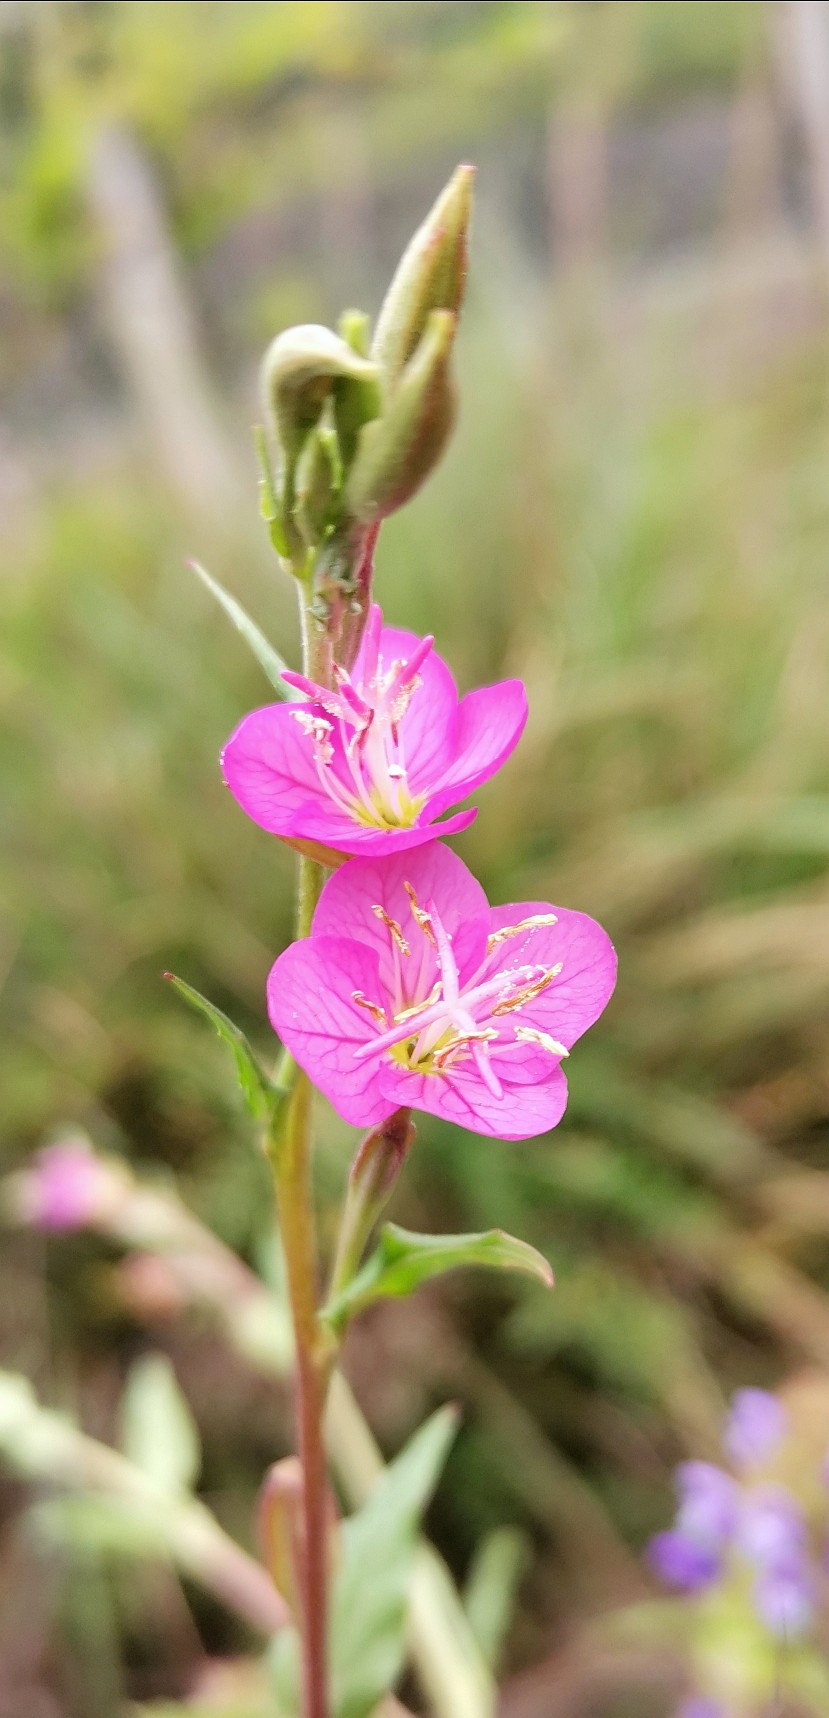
{"points": [[318, 730], [392, 927], [420, 915], [373, 1008], [532, 1035], [418, 1007], [447, 1054], [527, 993], [533, 923]]}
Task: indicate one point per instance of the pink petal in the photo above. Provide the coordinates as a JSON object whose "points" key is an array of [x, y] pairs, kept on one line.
{"points": [[490, 723], [576, 998], [461, 1096], [427, 731], [313, 822], [268, 764], [312, 1009], [435, 872]]}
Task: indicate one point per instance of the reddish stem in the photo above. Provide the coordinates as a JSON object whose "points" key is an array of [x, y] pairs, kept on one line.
{"points": [[294, 1203]]}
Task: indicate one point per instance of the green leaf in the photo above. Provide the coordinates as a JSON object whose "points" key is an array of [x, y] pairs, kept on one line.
{"points": [[260, 1092], [268, 658], [371, 1589], [158, 1432], [402, 1261], [370, 1597], [490, 1592]]}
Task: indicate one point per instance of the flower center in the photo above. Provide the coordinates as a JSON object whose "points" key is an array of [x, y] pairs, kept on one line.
{"points": [[430, 1034], [373, 788]]}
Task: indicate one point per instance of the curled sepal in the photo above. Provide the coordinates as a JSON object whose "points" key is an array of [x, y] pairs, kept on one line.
{"points": [[299, 371], [397, 451], [403, 1260], [431, 275], [262, 1094]]}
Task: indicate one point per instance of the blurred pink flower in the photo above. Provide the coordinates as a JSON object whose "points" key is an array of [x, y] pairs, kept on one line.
{"points": [[369, 766], [67, 1187], [412, 990]]}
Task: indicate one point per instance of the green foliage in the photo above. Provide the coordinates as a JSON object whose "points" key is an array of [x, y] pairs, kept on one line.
{"points": [[158, 1432], [371, 1587], [490, 1592], [259, 1091], [403, 1261], [268, 658]]}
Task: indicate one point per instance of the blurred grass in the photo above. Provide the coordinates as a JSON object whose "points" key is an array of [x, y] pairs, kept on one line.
{"points": [[635, 517]]}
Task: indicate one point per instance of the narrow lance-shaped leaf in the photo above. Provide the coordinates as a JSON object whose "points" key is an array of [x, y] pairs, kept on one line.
{"points": [[158, 1432], [370, 1597], [268, 658], [403, 1260], [260, 1092]]}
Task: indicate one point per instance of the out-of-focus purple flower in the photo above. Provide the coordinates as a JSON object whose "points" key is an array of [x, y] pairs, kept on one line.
{"points": [[755, 1428], [771, 1529], [784, 1597], [699, 1706], [67, 1187], [683, 1562], [709, 1503]]}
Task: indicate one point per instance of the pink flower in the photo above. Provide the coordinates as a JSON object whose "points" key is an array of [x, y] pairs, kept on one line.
{"points": [[412, 990], [368, 767], [67, 1188]]}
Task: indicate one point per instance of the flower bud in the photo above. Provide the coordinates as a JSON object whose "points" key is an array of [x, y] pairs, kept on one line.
{"points": [[396, 452], [299, 371], [314, 485], [430, 276], [280, 1527]]}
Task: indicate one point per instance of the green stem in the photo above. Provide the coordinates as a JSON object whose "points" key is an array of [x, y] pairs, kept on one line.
{"points": [[291, 1158], [293, 1195]]}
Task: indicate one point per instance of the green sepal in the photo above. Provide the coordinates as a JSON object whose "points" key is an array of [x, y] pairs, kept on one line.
{"points": [[268, 658], [268, 500], [397, 451], [316, 482], [403, 1260], [262, 1095], [431, 275]]}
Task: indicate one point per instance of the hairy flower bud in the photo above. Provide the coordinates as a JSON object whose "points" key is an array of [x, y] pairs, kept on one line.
{"points": [[396, 452], [431, 276], [299, 371]]}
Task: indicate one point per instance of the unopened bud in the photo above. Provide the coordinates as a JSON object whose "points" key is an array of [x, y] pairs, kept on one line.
{"points": [[280, 1527], [314, 485], [397, 451], [299, 371], [431, 276]]}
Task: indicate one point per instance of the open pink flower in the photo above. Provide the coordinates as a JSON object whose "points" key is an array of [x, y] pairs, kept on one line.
{"points": [[368, 767], [412, 990]]}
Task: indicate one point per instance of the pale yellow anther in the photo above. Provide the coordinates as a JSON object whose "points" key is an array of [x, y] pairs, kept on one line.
{"points": [[420, 915], [532, 1035], [533, 923], [392, 927], [373, 1008], [418, 1007], [526, 993]]}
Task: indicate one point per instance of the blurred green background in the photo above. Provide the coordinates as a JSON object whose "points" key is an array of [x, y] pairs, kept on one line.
{"points": [[634, 515]]}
